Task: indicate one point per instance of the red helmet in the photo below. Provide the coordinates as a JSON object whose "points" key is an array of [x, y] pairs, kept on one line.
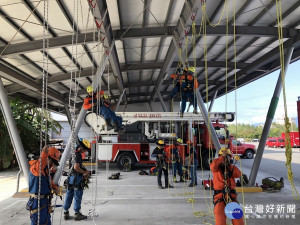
{"points": [[54, 154]]}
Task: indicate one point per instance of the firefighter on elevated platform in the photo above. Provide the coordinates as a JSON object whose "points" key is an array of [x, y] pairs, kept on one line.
{"points": [[161, 164], [186, 84], [39, 203], [110, 116], [105, 108], [224, 174]]}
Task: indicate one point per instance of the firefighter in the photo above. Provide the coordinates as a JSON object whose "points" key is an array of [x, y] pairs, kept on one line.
{"points": [[179, 77], [92, 98], [110, 116], [161, 164], [224, 174], [49, 158], [193, 163], [76, 182], [188, 85], [177, 160]]}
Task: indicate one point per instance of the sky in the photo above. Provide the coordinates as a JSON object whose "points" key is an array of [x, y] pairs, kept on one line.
{"points": [[253, 99]]}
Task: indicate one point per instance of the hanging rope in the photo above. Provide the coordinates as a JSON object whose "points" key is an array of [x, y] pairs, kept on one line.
{"points": [[288, 149]]}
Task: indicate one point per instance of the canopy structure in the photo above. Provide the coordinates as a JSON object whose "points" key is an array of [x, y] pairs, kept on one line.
{"points": [[147, 34]]}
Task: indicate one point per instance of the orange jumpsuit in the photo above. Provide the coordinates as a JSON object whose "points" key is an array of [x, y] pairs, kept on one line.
{"points": [[218, 181]]}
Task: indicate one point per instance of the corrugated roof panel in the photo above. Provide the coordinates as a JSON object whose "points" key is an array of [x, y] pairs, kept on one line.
{"points": [[157, 12], [271, 15], [120, 51], [146, 75], [133, 50], [21, 16], [113, 12], [131, 13], [175, 12], [80, 56], [24, 66], [97, 52], [9, 34], [37, 57], [151, 48], [164, 48]]}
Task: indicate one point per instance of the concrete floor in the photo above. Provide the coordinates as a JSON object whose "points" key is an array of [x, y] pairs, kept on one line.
{"points": [[135, 199]]}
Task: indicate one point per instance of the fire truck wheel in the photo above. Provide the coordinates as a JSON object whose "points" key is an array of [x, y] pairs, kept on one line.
{"points": [[249, 154], [125, 160]]}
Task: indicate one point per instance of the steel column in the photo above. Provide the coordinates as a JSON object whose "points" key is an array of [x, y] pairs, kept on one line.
{"points": [[120, 99], [13, 132], [269, 119], [161, 101], [212, 101], [80, 119], [207, 121]]}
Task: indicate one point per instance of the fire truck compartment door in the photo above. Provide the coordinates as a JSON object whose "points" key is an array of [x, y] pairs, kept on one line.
{"points": [[151, 148], [105, 151]]}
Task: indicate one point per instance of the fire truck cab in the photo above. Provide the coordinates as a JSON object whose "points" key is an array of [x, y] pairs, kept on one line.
{"points": [[143, 129]]}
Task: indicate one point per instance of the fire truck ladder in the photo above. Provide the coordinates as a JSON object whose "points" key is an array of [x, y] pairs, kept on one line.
{"points": [[97, 122]]}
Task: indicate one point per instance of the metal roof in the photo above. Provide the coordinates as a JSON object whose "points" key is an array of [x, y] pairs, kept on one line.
{"points": [[147, 34]]}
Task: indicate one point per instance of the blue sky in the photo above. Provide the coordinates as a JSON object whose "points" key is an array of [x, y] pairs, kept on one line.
{"points": [[253, 99]]}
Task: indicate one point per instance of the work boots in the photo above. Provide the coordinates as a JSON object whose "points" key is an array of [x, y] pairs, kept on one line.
{"points": [[66, 215], [109, 125], [181, 179], [79, 216]]}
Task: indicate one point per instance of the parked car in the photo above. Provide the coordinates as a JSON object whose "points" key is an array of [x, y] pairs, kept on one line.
{"points": [[246, 150], [275, 142]]}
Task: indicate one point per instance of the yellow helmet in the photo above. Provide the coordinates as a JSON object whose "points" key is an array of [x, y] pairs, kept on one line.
{"points": [[179, 140], [89, 89], [225, 149], [84, 144], [192, 69], [105, 96], [160, 142]]}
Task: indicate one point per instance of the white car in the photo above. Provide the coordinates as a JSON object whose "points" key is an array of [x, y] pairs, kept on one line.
{"points": [[241, 139]]}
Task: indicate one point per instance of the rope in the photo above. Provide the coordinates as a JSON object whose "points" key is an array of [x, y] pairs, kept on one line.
{"points": [[207, 18], [288, 149]]}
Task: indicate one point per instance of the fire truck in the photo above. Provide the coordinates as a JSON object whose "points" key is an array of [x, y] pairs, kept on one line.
{"points": [[143, 129]]}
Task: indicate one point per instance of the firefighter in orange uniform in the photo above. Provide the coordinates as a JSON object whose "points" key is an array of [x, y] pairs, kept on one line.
{"points": [[92, 98], [49, 157], [224, 174]]}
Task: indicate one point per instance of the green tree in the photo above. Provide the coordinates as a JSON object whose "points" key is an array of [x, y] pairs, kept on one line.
{"points": [[28, 121]]}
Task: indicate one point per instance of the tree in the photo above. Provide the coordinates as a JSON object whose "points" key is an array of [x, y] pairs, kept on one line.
{"points": [[28, 121]]}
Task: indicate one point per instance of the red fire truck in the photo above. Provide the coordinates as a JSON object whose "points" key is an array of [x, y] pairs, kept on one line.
{"points": [[143, 129], [294, 139]]}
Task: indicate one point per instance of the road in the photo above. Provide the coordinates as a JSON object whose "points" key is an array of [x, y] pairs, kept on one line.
{"points": [[273, 164]]}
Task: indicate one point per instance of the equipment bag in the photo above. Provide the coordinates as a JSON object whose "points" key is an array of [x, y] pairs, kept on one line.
{"points": [[273, 183]]}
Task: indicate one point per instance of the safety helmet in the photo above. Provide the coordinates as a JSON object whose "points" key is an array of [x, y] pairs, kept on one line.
{"points": [[225, 149], [101, 92], [185, 69], [85, 144], [105, 96], [179, 140], [54, 154], [89, 89], [160, 142], [192, 69]]}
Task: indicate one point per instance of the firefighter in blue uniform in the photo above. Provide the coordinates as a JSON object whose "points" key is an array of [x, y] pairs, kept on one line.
{"points": [[49, 157], [76, 182], [188, 85], [193, 163]]}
